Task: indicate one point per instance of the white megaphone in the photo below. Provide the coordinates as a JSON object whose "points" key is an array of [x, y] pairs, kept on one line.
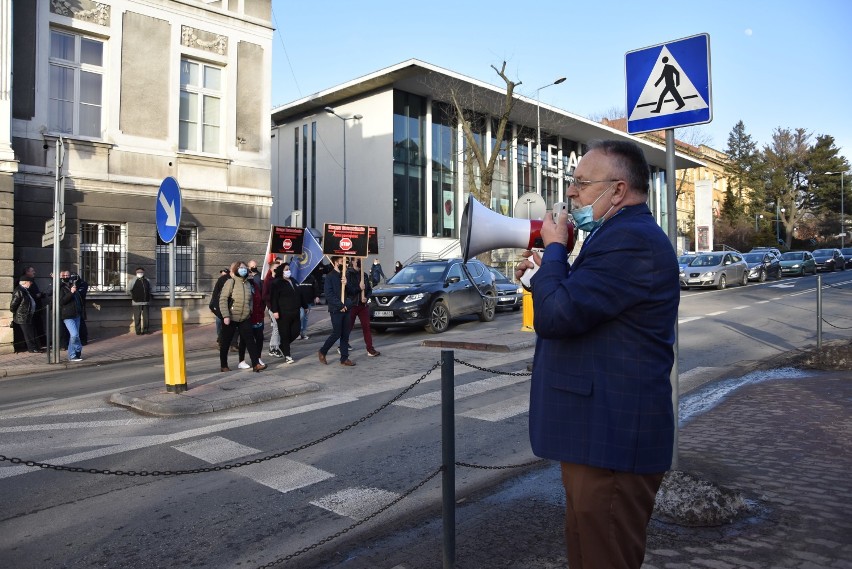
{"points": [[483, 229]]}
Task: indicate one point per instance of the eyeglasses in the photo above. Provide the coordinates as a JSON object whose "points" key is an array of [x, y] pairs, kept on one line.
{"points": [[581, 184]]}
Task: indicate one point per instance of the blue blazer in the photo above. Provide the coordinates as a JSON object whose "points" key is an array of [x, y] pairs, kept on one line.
{"points": [[600, 392]]}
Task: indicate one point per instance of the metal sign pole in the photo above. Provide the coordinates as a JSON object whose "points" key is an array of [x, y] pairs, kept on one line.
{"points": [[671, 217], [172, 273], [58, 208]]}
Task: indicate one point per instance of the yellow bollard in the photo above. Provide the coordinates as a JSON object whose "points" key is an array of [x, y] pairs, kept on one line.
{"points": [[527, 325], [173, 358]]}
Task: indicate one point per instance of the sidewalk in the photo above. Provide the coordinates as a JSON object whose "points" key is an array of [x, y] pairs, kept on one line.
{"points": [[784, 443]]}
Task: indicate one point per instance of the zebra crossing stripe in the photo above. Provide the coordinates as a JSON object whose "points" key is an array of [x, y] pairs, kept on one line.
{"points": [[433, 398], [500, 411], [356, 503]]}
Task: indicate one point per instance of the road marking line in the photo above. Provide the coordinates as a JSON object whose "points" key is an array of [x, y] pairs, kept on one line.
{"points": [[761, 302], [433, 398], [216, 449], [500, 411], [717, 313], [740, 307], [83, 425], [283, 474], [356, 503], [689, 319], [25, 403]]}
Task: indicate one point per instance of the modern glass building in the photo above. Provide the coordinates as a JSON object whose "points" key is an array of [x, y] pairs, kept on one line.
{"points": [[387, 146]]}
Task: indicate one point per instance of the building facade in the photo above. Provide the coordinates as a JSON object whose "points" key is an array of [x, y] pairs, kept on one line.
{"points": [[135, 91], [385, 150]]}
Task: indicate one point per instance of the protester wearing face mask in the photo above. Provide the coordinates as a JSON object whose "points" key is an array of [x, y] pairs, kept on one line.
{"points": [[286, 301], [600, 394], [140, 294], [235, 305]]}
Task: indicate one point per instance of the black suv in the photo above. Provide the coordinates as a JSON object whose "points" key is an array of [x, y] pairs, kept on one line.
{"points": [[431, 293]]}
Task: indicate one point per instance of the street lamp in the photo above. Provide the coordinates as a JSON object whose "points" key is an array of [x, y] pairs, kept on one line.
{"points": [[778, 223], [842, 226], [538, 133], [756, 216], [330, 111]]}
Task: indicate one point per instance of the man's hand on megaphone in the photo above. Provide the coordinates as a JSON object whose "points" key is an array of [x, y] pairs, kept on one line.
{"points": [[562, 230]]}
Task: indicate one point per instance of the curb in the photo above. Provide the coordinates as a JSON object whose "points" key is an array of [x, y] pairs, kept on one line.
{"points": [[208, 398]]}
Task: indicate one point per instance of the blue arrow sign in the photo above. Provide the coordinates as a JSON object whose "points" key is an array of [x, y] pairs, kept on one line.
{"points": [[168, 209], [668, 85]]}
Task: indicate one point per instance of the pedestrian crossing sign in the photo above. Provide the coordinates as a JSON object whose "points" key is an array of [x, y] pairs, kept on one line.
{"points": [[668, 85]]}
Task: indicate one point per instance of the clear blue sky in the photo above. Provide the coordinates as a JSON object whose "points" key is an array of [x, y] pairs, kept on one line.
{"points": [[774, 63]]}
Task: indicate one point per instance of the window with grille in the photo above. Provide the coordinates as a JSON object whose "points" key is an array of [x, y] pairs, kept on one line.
{"points": [[103, 255], [185, 262], [200, 122], [75, 84]]}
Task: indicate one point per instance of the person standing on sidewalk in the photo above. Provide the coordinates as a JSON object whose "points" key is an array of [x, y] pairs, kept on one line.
{"points": [[600, 396], [257, 318], [338, 310], [376, 273], [286, 300], [71, 306], [140, 295], [23, 308], [235, 305]]}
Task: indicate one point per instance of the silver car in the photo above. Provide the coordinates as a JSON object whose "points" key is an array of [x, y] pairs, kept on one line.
{"points": [[715, 269]]}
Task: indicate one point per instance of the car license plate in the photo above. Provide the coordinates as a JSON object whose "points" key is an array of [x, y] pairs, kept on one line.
{"points": [[383, 314], [693, 281], [506, 299]]}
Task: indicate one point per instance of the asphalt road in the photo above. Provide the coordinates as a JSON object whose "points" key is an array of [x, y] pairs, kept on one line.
{"points": [[266, 511]]}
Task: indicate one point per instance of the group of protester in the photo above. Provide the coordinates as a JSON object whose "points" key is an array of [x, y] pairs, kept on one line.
{"points": [[242, 299], [29, 309]]}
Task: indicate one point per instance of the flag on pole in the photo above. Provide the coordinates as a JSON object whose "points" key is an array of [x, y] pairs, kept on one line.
{"points": [[268, 257], [301, 266]]}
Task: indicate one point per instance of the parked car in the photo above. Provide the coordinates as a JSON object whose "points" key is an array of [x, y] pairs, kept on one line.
{"points": [[829, 260], [762, 265], [509, 295], [847, 254], [685, 259], [774, 250], [432, 293], [797, 263], [715, 269]]}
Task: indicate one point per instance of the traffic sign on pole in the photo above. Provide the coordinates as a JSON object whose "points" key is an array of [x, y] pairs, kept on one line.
{"points": [[168, 209], [668, 85]]}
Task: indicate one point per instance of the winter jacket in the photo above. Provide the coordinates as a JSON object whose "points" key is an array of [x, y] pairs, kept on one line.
{"points": [[309, 290], [235, 300], [376, 273], [71, 305], [332, 292], [23, 305], [285, 297], [217, 294], [140, 291]]}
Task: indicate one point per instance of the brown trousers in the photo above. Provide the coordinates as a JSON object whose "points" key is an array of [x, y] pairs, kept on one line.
{"points": [[606, 516]]}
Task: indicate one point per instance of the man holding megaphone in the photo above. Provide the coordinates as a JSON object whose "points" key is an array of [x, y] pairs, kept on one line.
{"points": [[600, 399]]}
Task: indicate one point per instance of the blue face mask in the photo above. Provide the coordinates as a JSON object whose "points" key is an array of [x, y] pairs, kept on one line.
{"points": [[584, 216], [242, 271]]}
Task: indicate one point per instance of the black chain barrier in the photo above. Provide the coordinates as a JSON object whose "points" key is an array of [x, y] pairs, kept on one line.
{"points": [[218, 468], [356, 524], [494, 371]]}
